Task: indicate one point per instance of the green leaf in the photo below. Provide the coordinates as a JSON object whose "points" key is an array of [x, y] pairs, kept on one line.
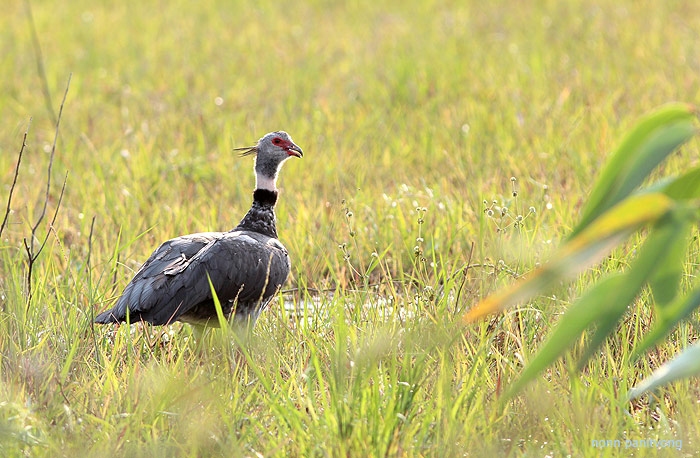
{"points": [[649, 143], [645, 267], [684, 187], [668, 317], [666, 280], [584, 312], [684, 365], [604, 304], [614, 211]]}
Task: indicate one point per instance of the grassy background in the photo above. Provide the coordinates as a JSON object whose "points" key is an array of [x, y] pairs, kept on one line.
{"points": [[411, 115]]}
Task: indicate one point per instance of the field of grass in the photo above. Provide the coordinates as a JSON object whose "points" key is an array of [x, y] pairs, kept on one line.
{"points": [[415, 117]]}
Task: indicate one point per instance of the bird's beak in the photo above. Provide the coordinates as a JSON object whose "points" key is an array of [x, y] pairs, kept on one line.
{"points": [[294, 150]]}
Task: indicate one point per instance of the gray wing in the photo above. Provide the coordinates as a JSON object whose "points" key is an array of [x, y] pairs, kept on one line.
{"points": [[243, 266]]}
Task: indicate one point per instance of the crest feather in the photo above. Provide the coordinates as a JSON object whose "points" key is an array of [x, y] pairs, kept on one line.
{"points": [[247, 150]]}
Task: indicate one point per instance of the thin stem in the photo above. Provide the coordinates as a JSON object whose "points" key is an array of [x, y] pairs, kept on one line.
{"points": [[8, 210]]}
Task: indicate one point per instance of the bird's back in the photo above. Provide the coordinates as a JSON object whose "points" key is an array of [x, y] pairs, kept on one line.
{"points": [[245, 269]]}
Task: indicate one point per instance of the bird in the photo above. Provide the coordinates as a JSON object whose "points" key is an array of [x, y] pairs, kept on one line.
{"points": [[245, 266]]}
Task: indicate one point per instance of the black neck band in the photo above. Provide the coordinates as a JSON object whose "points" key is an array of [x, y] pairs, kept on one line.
{"points": [[265, 197]]}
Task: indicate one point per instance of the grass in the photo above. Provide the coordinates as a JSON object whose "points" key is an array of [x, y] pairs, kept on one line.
{"points": [[411, 115]]}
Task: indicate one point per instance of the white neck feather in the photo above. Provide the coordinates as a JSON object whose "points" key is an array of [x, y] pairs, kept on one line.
{"points": [[265, 182]]}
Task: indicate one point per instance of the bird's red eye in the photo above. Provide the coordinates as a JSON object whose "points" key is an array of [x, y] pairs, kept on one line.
{"points": [[276, 140]]}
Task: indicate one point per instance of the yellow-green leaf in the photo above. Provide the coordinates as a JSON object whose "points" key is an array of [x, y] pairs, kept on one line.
{"points": [[649, 143], [603, 305], [583, 250]]}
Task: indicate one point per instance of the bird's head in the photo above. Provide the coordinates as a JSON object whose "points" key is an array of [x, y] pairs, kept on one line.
{"points": [[270, 152], [274, 146]]}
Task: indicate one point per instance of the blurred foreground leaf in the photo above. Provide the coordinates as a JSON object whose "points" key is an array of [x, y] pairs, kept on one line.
{"points": [[588, 247], [668, 317], [649, 143], [616, 209], [684, 365], [602, 306]]}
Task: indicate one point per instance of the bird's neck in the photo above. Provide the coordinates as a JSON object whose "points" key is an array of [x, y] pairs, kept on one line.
{"points": [[261, 216], [263, 181]]}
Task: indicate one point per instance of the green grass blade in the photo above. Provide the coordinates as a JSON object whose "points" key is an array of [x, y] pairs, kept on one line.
{"points": [[649, 143], [686, 364], [221, 319], [70, 357]]}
